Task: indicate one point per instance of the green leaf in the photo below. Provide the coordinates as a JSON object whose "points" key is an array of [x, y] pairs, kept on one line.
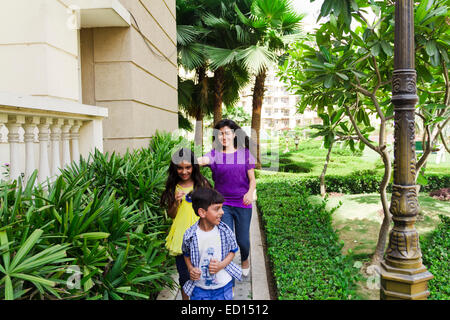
{"points": [[9, 292], [328, 83], [92, 235], [33, 279], [387, 48], [375, 49], [4, 242], [342, 76], [26, 247]]}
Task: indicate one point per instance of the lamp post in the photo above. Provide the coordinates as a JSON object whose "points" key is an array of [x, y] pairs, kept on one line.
{"points": [[296, 142], [402, 274]]}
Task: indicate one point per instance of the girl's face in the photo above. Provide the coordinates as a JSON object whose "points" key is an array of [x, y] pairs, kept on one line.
{"points": [[184, 170], [226, 136]]}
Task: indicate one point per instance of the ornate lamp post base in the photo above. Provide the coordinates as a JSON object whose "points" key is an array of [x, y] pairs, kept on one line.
{"points": [[404, 284], [402, 274]]}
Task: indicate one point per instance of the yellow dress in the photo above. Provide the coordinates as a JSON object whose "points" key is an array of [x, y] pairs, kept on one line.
{"points": [[184, 219]]}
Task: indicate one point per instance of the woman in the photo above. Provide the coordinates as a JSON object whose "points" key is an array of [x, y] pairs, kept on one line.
{"points": [[232, 167]]}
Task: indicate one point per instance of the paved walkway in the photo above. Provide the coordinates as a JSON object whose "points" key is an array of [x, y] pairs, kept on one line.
{"points": [[252, 287]]}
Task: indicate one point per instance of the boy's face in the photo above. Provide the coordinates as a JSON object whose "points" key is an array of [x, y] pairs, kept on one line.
{"points": [[213, 215]]}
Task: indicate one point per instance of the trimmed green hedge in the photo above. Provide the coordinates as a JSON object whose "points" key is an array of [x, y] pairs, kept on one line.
{"points": [[435, 255], [303, 248], [365, 181]]}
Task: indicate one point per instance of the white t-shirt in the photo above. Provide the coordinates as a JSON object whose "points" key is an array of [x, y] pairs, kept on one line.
{"points": [[210, 247]]}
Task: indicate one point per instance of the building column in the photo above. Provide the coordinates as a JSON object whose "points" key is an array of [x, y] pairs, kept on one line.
{"points": [[14, 124]]}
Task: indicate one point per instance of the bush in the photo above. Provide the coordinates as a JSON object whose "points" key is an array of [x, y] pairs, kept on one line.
{"points": [[303, 249], [436, 256], [365, 181], [99, 222]]}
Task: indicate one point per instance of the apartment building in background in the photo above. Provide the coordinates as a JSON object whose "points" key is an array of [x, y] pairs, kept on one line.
{"points": [[279, 111], [83, 74]]}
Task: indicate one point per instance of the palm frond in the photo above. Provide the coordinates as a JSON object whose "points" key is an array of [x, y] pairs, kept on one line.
{"points": [[256, 58]]}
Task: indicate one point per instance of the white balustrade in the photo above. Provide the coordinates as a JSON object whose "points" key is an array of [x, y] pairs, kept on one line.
{"points": [[55, 137], [44, 134], [32, 120]]}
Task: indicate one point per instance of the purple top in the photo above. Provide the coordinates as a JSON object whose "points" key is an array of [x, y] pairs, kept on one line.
{"points": [[229, 172]]}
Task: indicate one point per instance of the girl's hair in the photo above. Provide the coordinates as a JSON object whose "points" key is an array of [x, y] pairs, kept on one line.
{"points": [[183, 154], [241, 140]]}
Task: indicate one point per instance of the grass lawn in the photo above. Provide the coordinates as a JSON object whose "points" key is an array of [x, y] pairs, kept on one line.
{"points": [[342, 161], [358, 221]]}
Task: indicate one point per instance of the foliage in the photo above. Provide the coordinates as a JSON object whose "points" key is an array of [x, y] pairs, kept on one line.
{"points": [[363, 181], [304, 250], [94, 233], [436, 256]]}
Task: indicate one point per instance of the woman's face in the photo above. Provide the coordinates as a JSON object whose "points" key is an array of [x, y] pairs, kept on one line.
{"points": [[226, 136]]}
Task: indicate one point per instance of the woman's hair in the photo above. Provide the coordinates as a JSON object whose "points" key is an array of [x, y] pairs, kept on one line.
{"points": [[183, 154], [241, 140]]}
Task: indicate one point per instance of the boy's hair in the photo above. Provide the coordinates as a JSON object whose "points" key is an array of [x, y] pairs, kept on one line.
{"points": [[204, 197]]}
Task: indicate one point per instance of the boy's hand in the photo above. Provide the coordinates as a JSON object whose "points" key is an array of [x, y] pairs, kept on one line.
{"points": [[214, 266], [195, 273]]}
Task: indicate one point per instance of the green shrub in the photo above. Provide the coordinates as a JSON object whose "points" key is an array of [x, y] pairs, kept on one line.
{"points": [[101, 218], [436, 256], [365, 181], [303, 249]]}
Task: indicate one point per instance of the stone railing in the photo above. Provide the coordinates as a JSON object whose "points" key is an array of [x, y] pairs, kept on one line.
{"points": [[46, 134]]}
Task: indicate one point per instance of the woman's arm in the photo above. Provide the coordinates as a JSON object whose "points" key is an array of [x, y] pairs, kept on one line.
{"points": [[249, 196], [203, 161]]}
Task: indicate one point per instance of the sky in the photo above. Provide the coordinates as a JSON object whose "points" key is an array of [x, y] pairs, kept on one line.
{"points": [[312, 9]]}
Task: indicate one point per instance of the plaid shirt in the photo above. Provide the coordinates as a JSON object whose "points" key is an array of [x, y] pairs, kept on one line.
{"points": [[190, 249]]}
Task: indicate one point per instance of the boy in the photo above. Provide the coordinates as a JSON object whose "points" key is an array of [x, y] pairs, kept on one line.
{"points": [[209, 247]]}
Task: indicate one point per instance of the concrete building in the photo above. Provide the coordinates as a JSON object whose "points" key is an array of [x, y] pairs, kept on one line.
{"points": [[279, 110], [83, 74]]}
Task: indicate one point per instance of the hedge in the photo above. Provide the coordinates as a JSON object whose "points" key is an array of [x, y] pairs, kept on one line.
{"points": [[435, 254], [302, 246], [366, 181]]}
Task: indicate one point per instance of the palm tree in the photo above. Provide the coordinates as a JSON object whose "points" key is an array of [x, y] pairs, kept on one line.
{"points": [[277, 24], [225, 32], [193, 95], [264, 31]]}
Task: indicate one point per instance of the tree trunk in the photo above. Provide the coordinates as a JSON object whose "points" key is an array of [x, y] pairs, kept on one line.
{"points": [[198, 137], [324, 171], [219, 75], [258, 95], [384, 230]]}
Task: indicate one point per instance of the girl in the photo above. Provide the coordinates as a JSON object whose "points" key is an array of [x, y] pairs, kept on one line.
{"points": [[232, 167], [184, 176]]}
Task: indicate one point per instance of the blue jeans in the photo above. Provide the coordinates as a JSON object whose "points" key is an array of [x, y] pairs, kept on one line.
{"points": [[238, 219]]}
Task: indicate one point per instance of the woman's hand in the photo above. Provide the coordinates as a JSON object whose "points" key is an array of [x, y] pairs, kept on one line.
{"points": [[248, 198]]}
